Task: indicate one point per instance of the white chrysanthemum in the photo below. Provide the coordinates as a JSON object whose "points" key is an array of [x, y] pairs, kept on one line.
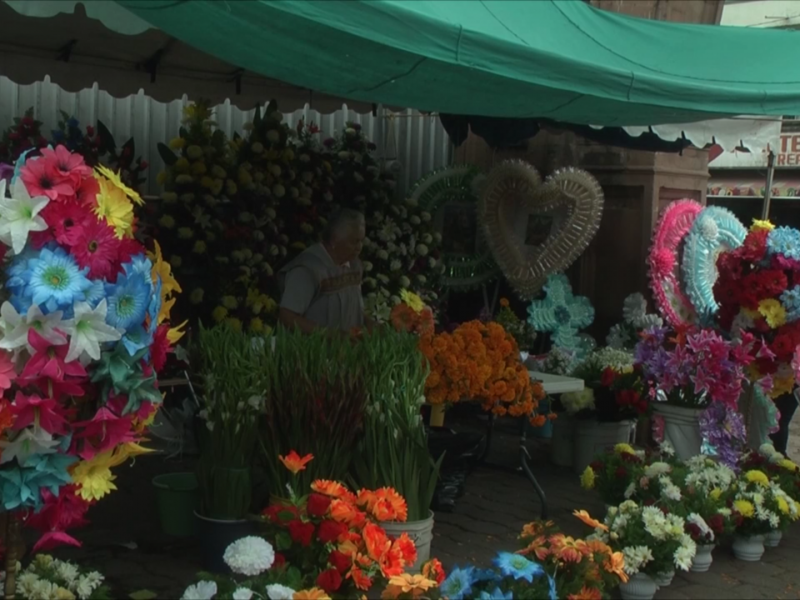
{"points": [[628, 506], [630, 490], [249, 556], [26, 583], [68, 572], [657, 469], [87, 584], [666, 448], [634, 307], [636, 557], [202, 590], [669, 490], [684, 556], [279, 592], [242, 593], [618, 337], [654, 522]]}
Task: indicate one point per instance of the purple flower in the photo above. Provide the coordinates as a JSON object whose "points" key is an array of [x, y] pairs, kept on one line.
{"points": [[6, 172], [724, 430]]}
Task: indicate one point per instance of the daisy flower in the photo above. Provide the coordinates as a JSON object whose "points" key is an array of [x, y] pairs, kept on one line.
{"points": [[41, 178], [96, 247], [56, 280], [65, 220], [127, 301], [115, 207], [94, 476]]}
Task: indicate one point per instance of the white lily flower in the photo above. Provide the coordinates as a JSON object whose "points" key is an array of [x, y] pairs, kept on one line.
{"points": [[15, 326], [19, 215], [88, 329]]}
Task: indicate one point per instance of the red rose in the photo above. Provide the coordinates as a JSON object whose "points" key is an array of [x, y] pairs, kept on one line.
{"points": [[597, 466], [607, 377], [279, 561], [318, 505], [340, 561], [301, 532], [621, 472], [329, 531], [329, 580]]}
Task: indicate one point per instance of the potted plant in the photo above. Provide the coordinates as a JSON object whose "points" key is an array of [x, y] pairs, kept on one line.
{"points": [[315, 389], [393, 451], [684, 382], [606, 415], [652, 541], [614, 474], [228, 366]]}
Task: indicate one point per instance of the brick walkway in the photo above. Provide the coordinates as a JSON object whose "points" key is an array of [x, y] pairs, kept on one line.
{"points": [[134, 555]]}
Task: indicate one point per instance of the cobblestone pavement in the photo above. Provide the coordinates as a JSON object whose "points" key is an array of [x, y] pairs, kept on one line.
{"points": [[124, 541]]}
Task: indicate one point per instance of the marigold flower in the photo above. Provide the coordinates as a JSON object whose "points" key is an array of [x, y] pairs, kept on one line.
{"points": [[757, 477]]}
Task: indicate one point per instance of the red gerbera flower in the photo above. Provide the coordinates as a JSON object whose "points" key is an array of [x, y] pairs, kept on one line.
{"points": [[66, 164], [160, 348], [96, 246], [42, 179], [86, 192], [65, 220]]}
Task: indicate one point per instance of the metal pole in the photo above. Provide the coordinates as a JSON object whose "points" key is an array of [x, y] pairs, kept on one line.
{"points": [[768, 191]]}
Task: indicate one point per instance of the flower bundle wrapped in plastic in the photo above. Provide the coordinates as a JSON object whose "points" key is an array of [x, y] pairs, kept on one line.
{"points": [[581, 568], [412, 315], [481, 362], [614, 474], [85, 332], [47, 577], [758, 292], [761, 505], [616, 384], [652, 540], [780, 469]]}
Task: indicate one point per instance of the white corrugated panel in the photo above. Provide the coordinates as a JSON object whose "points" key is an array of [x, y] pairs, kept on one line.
{"points": [[412, 143]]}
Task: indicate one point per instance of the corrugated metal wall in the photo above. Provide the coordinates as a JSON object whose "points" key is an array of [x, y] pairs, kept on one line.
{"points": [[416, 143]]}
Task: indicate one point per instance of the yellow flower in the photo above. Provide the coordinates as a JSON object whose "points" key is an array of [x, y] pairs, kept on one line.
{"points": [[196, 297], [787, 464], [624, 449], [244, 177], [199, 168], [115, 179], [163, 270], [175, 334], [216, 188], [130, 449], [194, 152], [782, 385], [94, 476], [715, 494], [61, 593], [757, 477], [783, 506], [219, 314], [587, 478], [773, 312], [218, 172], [235, 323], [185, 233], [166, 221], [413, 301], [169, 197], [161, 178], [230, 302], [207, 182], [176, 261], [115, 207], [199, 247], [256, 325], [230, 187], [745, 508], [181, 165], [758, 224], [177, 143]]}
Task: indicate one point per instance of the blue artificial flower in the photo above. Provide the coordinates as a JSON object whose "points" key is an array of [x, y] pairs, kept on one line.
{"points": [[58, 135], [496, 594], [140, 264], [458, 584], [20, 303], [484, 575], [552, 593], [136, 339], [73, 123], [790, 299], [785, 241], [55, 280], [517, 566], [48, 470], [127, 301], [96, 293], [155, 305]]}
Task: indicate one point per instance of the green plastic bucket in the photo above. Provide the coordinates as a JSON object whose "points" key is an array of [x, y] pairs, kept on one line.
{"points": [[176, 494]]}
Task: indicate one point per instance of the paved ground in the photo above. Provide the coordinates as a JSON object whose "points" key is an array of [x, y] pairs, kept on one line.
{"points": [[125, 543]]}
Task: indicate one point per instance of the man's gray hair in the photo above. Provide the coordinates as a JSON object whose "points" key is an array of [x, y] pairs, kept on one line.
{"points": [[338, 221]]}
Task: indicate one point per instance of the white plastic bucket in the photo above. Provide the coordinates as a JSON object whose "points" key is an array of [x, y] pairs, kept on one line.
{"points": [[681, 429], [593, 438]]}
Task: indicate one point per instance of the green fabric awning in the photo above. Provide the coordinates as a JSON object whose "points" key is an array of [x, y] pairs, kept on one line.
{"points": [[557, 59]]}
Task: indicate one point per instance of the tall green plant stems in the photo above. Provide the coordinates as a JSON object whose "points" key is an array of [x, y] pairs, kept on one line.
{"points": [[232, 396], [354, 405]]}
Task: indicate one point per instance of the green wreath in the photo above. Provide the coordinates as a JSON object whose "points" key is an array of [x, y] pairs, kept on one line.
{"points": [[453, 188]]}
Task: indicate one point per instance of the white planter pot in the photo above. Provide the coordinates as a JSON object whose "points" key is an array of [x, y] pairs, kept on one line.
{"points": [[593, 438], [639, 587], [750, 549], [681, 428], [703, 559], [562, 441], [662, 580], [773, 538], [421, 533]]}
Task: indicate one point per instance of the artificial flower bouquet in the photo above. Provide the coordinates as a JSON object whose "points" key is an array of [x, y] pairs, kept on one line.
{"points": [[85, 333], [581, 568], [780, 469], [758, 291], [707, 485], [635, 319], [412, 315], [228, 364], [25, 135], [615, 474], [616, 388], [652, 539], [761, 504], [520, 329], [48, 577], [481, 362]]}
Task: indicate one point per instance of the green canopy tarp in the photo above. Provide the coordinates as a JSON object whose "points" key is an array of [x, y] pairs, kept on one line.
{"points": [[561, 60]]}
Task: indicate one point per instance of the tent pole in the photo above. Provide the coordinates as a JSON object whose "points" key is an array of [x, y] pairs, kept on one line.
{"points": [[768, 190]]}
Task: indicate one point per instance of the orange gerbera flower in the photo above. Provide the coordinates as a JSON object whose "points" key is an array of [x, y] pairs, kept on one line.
{"points": [[433, 569], [615, 564], [586, 594], [333, 489], [376, 541], [312, 594], [586, 518], [360, 579], [391, 503], [294, 462], [536, 528], [344, 512], [598, 547], [568, 549], [391, 563], [408, 550], [537, 546]]}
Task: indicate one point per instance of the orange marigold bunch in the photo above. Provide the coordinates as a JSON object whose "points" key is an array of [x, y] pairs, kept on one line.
{"points": [[480, 361], [405, 318]]}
